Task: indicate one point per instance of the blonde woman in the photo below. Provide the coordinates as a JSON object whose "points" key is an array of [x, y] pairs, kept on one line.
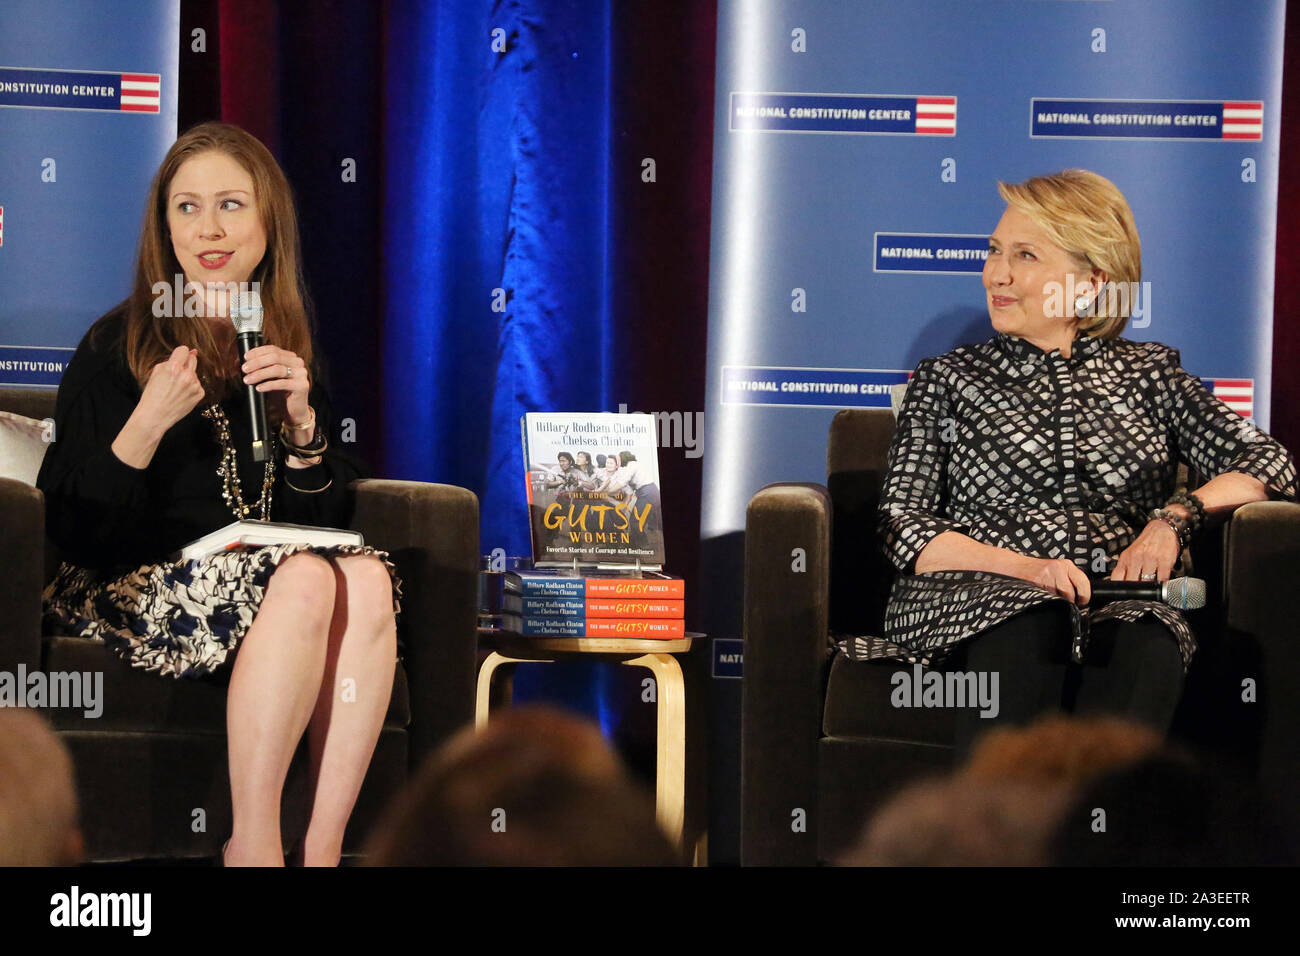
{"points": [[1048, 453]]}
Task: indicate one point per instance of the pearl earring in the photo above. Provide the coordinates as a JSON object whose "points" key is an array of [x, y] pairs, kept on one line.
{"points": [[1081, 305]]}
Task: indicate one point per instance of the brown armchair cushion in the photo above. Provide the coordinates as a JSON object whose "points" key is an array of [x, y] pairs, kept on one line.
{"points": [[858, 704]]}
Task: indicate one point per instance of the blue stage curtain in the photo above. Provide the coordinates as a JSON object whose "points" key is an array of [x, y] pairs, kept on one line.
{"points": [[495, 211], [495, 214]]}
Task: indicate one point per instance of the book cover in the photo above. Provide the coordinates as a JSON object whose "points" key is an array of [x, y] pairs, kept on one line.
{"points": [[651, 584], [551, 584], [571, 608], [627, 628], [665, 588], [593, 489], [636, 608], [640, 629]]}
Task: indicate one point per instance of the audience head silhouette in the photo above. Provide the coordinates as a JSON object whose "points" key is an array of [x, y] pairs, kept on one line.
{"points": [[536, 787]]}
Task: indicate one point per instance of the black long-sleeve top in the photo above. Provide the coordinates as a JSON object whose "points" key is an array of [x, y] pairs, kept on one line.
{"points": [[105, 514]]}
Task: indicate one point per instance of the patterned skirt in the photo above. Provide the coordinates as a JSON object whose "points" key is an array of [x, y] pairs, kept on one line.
{"points": [[929, 614], [178, 618]]}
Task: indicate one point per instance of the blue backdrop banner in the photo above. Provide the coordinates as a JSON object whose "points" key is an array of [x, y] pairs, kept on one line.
{"points": [[857, 150], [87, 110]]}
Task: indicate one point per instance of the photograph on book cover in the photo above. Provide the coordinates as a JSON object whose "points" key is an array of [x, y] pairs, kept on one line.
{"points": [[593, 489]]}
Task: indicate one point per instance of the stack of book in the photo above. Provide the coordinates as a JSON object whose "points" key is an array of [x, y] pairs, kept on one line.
{"points": [[592, 487], [597, 604]]}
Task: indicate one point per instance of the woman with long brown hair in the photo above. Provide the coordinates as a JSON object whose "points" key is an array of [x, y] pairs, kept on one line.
{"points": [[154, 449]]}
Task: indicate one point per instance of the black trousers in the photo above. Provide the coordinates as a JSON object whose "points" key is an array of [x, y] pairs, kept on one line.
{"points": [[1130, 669]]}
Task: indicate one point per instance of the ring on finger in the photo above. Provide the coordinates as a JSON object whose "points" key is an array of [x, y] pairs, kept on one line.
{"points": [[1150, 576]]}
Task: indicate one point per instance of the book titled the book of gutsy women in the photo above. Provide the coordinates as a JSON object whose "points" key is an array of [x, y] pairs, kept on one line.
{"points": [[593, 489]]}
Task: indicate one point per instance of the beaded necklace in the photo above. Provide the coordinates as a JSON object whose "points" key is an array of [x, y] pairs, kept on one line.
{"points": [[228, 470]]}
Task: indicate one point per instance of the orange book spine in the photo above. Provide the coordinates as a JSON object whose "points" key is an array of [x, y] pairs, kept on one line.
{"points": [[603, 607], [668, 589], [663, 630]]}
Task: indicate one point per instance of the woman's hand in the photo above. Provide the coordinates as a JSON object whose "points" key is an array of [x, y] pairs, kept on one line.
{"points": [[1058, 576], [172, 391], [278, 370], [1155, 550]]}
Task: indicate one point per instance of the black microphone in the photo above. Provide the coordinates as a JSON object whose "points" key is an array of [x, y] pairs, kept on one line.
{"points": [[1186, 594], [246, 313]]}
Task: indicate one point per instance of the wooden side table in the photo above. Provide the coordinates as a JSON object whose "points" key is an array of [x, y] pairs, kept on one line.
{"points": [[670, 699]]}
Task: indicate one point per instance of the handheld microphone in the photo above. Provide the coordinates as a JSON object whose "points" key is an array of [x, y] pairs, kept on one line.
{"points": [[1186, 594], [246, 314]]}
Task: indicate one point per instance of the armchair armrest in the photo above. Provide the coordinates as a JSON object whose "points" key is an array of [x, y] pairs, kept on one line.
{"points": [[22, 549], [1260, 580], [1262, 567], [786, 650], [431, 533]]}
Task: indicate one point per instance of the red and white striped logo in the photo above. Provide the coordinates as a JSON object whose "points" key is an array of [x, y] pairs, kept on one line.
{"points": [[141, 93], [1237, 393], [936, 115], [1243, 121]]}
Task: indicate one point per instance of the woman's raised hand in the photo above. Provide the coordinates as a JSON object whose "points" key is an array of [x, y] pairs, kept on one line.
{"points": [[173, 389], [170, 394], [1057, 575]]}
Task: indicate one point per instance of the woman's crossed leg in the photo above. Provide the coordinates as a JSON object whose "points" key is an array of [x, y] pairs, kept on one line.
{"points": [[320, 654]]}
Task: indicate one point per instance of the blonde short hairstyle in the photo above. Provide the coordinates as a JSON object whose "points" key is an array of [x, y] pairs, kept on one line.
{"points": [[1087, 216]]}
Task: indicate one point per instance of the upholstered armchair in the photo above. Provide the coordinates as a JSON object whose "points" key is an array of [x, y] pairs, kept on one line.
{"points": [[819, 733], [156, 755]]}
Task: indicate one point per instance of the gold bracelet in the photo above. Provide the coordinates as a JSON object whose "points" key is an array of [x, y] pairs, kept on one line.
{"points": [[310, 423], [320, 443], [316, 444]]}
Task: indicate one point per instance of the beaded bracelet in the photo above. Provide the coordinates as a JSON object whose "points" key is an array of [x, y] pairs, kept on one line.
{"points": [[1194, 506]]}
